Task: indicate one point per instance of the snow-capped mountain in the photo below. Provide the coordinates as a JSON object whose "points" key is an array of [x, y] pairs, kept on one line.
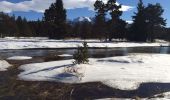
{"points": [[82, 19]]}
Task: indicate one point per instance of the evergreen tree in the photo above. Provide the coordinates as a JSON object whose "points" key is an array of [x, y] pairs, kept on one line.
{"points": [[82, 29], [13, 26], [8, 25], [81, 56], [77, 29], [154, 19], [55, 17], [99, 27], [121, 30], [69, 30], [138, 31], [85, 30], [115, 14], [24, 29]]}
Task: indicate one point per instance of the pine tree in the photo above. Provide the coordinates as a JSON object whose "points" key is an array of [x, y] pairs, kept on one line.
{"points": [[14, 28], [99, 28], [77, 29], [55, 17], [115, 14], [8, 25], [81, 56], [121, 30], [24, 29], [85, 30], [154, 19], [138, 31]]}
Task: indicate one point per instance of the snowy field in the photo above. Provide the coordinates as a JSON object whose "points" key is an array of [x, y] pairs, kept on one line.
{"points": [[26, 43], [122, 72]]}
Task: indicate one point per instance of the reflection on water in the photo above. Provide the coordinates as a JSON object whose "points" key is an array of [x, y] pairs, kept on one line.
{"points": [[164, 50]]}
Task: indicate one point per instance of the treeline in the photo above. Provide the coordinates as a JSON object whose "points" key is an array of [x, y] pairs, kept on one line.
{"points": [[148, 24]]}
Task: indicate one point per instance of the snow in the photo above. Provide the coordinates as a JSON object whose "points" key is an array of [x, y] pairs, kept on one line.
{"points": [[166, 96], [123, 72], [30, 43], [65, 55], [129, 21], [81, 19], [40, 38], [48, 71], [114, 99], [4, 65], [19, 58]]}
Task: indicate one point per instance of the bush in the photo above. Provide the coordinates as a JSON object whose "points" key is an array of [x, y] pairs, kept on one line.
{"points": [[81, 55]]}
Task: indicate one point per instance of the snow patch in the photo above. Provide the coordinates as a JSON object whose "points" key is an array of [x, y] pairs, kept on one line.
{"points": [[19, 58], [114, 99], [129, 84], [4, 65], [65, 55], [124, 72], [48, 71]]}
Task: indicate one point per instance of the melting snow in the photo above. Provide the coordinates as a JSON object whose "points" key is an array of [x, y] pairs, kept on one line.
{"points": [[124, 72], [65, 55], [4, 65], [19, 58]]}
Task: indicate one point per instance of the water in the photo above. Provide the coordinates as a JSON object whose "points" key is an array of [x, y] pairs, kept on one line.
{"points": [[93, 53]]}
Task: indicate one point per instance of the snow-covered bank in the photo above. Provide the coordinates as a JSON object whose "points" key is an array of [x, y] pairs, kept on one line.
{"points": [[7, 43], [125, 72], [19, 58], [4, 65]]}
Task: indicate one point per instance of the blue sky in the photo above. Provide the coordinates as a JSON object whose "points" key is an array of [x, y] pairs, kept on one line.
{"points": [[33, 9]]}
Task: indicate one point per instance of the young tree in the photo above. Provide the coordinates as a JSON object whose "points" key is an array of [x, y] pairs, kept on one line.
{"points": [[154, 19], [115, 14], [138, 31], [99, 27], [81, 56], [55, 17]]}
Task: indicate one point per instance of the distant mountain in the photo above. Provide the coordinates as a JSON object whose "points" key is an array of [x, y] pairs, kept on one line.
{"points": [[82, 19], [87, 19]]}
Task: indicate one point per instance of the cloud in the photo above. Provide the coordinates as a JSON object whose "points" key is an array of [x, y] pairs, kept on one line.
{"points": [[41, 5]]}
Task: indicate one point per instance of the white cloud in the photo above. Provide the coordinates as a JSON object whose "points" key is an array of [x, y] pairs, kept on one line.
{"points": [[41, 5], [126, 8]]}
